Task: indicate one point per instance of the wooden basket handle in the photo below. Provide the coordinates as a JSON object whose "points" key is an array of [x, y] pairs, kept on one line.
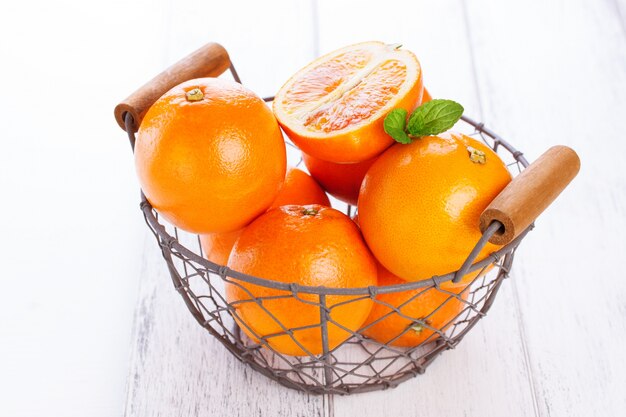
{"points": [[211, 60], [530, 193]]}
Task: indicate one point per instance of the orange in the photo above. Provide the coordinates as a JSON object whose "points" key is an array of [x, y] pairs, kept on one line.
{"points": [[210, 156], [420, 204], [298, 188], [307, 245], [408, 318], [216, 247], [467, 279], [334, 108], [342, 181], [426, 97]]}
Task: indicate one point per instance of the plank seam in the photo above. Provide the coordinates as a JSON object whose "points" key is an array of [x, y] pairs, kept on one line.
{"points": [[470, 45], [134, 357], [316, 28], [621, 17], [527, 364], [328, 406]]}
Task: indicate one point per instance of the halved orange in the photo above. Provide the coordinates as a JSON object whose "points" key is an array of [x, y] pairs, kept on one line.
{"points": [[334, 108]]}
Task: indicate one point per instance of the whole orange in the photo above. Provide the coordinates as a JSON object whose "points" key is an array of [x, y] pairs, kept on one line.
{"points": [[467, 279], [216, 247], [210, 156], [420, 203], [298, 188], [307, 245], [408, 318], [343, 181]]}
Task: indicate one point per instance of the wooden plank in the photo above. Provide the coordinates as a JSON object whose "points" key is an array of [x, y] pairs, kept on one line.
{"points": [[487, 374], [177, 367], [71, 235], [556, 73]]}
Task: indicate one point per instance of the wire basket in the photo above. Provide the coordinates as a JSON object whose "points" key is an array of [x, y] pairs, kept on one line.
{"points": [[359, 364]]}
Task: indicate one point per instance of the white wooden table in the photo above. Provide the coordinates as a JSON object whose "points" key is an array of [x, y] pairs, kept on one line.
{"points": [[539, 73]]}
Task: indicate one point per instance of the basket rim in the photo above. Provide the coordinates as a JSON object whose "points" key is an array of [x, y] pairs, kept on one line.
{"points": [[171, 242]]}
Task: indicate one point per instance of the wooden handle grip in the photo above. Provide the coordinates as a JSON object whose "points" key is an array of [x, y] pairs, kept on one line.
{"points": [[209, 61], [530, 193]]}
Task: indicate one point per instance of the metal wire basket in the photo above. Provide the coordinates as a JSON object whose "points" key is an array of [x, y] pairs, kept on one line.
{"points": [[359, 364]]}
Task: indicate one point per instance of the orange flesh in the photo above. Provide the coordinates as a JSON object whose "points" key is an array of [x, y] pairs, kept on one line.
{"points": [[357, 104], [324, 79]]}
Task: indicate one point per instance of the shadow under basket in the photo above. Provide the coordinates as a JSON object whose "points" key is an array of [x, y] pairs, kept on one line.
{"points": [[359, 364]]}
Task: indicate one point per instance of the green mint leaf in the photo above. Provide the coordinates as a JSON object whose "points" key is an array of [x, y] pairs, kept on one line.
{"points": [[399, 135], [394, 125], [396, 119], [434, 117]]}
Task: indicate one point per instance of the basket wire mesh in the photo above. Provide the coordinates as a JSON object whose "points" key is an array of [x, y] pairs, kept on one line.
{"points": [[359, 364]]}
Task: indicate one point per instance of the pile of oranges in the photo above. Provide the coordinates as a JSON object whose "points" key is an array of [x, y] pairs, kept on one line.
{"points": [[211, 159]]}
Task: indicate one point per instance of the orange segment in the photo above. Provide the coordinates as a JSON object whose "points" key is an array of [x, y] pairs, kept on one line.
{"points": [[333, 109], [324, 78], [361, 102]]}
